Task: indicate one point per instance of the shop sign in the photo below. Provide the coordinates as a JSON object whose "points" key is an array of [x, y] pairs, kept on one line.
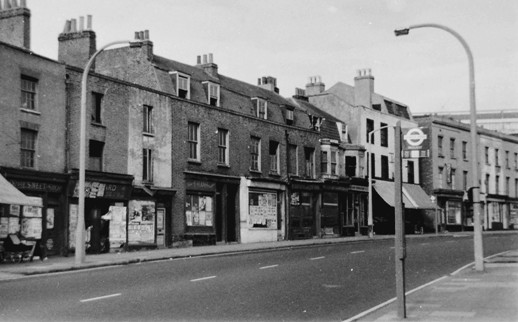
{"points": [[416, 143], [37, 186], [96, 189], [200, 185], [359, 188]]}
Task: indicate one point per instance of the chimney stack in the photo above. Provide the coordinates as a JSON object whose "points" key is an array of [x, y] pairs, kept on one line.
{"points": [[363, 88], [142, 40], [207, 64], [77, 45], [15, 24], [269, 83], [315, 86]]}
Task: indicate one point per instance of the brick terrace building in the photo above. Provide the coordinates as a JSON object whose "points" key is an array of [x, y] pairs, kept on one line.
{"points": [[447, 174]]}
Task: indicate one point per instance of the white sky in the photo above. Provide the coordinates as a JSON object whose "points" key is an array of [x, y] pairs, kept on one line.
{"points": [[295, 39]]}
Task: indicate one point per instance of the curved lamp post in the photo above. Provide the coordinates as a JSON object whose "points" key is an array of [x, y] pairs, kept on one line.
{"points": [[80, 229], [477, 237]]}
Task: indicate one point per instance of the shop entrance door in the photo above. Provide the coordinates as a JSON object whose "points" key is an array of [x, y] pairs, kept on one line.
{"points": [[99, 231], [226, 224], [302, 215]]}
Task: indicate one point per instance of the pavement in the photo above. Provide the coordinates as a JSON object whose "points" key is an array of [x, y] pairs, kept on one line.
{"points": [[464, 295]]}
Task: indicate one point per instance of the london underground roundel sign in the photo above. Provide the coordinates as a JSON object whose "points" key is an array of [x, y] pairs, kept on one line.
{"points": [[415, 137], [416, 143]]}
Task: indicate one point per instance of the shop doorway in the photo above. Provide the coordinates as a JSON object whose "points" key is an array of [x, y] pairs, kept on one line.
{"points": [[97, 228], [226, 222], [302, 215]]}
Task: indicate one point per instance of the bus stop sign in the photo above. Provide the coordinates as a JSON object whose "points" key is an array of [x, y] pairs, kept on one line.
{"points": [[416, 143]]}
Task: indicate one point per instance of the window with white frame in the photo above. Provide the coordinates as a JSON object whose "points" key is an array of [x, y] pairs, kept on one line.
{"points": [[28, 147], [193, 141], [183, 85], [147, 165], [333, 162], [293, 159], [309, 156], [255, 154], [260, 108], [95, 155], [147, 112], [323, 162], [274, 157], [213, 98], [223, 146], [289, 116], [28, 92]]}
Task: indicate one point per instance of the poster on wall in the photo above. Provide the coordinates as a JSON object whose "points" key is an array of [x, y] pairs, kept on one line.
{"points": [[262, 210], [117, 217], [141, 226], [199, 211], [14, 225], [72, 225], [4, 227], [31, 228]]}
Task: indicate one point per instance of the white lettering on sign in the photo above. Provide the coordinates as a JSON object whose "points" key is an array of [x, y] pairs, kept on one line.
{"points": [[415, 137]]}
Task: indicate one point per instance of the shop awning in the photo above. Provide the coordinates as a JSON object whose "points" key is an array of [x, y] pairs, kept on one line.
{"points": [[12, 196], [414, 196]]}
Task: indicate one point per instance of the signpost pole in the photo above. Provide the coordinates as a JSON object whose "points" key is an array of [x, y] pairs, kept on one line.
{"points": [[400, 226]]}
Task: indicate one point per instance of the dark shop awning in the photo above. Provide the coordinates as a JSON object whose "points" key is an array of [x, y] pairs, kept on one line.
{"points": [[414, 196], [12, 196]]}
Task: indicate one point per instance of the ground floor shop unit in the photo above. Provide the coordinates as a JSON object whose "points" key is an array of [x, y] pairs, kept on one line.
{"points": [[119, 215], [51, 189], [211, 209], [416, 208]]}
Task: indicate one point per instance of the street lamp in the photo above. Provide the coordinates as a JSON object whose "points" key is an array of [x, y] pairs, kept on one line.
{"points": [[477, 236], [80, 229], [370, 221]]}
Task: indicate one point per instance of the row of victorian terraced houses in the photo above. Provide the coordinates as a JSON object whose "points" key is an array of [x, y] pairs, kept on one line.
{"points": [[181, 152]]}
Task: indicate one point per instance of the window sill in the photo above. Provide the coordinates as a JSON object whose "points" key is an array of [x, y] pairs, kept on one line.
{"points": [[223, 165], [192, 161], [275, 174], [98, 124], [29, 111], [255, 171], [152, 135]]}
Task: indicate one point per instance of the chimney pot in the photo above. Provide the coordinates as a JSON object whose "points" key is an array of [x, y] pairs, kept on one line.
{"points": [[66, 29], [7, 4], [259, 81], [23, 3], [204, 58], [211, 58], [88, 22], [141, 35], [198, 60], [146, 34], [137, 37], [73, 25], [81, 23]]}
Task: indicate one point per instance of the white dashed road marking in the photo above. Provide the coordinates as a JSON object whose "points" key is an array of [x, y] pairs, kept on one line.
{"points": [[203, 278], [315, 258], [100, 298], [266, 267], [358, 252]]}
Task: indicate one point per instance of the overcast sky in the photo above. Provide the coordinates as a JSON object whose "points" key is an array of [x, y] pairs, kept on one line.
{"points": [[295, 39]]}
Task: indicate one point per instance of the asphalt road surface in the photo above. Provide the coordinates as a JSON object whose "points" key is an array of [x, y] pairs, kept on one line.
{"points": [[318, 283]]}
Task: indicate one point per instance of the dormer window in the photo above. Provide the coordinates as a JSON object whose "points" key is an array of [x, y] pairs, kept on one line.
{"points": [[289, 116], [212, 93], [260, 108], [183, 85]]}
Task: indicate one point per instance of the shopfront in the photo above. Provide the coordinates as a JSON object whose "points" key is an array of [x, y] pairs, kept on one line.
{"points": [[262, 219], [107, 213], [304, 197], [333, 207], [356, 209], [50, 188], [210, 213], [496, 212]]}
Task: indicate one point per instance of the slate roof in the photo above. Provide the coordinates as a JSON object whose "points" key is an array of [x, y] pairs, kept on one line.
{"points": [[328, 129], [234, 94], [345, 92]]}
